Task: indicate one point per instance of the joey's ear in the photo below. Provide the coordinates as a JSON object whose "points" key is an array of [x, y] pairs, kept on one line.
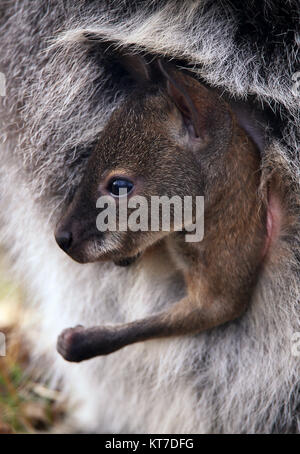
{"points": [[194, 101], [136, 66]]}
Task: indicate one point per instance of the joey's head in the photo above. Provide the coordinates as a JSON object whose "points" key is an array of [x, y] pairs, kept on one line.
{"points": [[168, 138]]}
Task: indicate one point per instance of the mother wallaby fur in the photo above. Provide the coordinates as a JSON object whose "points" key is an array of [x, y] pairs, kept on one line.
{"points": [[62, 84]]}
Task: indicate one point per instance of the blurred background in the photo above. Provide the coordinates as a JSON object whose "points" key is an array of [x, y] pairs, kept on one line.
{"points": [[27, 405]]}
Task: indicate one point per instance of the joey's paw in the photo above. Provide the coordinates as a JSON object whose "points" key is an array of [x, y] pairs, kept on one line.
{"points": [[69, 343]]}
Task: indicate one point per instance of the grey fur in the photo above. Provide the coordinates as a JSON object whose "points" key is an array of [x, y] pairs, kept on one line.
{"points": [[241, 377]]}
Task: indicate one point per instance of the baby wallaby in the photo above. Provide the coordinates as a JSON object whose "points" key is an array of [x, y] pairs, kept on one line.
{"points": [[171, 137]]}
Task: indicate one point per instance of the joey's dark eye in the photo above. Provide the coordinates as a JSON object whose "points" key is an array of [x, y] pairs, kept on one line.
{"points": [[119, 186]]}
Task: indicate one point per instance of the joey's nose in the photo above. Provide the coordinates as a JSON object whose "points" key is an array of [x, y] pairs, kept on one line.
{"points": [[64, 239]]}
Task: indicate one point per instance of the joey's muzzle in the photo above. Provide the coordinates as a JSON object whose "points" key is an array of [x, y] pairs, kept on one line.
{"points": [[64, 239], [73, 236]]}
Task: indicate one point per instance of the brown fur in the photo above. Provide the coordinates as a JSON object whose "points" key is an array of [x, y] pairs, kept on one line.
{"points": [[146, 140]]}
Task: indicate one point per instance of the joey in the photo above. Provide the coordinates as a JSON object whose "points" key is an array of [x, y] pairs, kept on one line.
{"points": [[172, 136]]}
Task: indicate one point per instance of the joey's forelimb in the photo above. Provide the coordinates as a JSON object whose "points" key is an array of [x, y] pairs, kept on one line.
{"points": [[185, 317]]}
